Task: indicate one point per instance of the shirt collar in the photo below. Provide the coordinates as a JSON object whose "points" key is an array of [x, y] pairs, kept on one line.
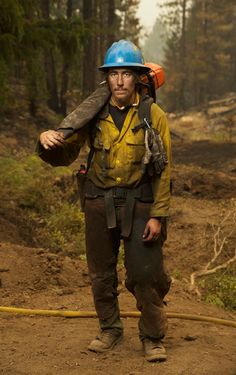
{"points": [[105, 111]]}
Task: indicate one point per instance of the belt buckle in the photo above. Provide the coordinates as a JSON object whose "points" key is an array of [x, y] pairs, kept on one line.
{"points": [[119, 193]]}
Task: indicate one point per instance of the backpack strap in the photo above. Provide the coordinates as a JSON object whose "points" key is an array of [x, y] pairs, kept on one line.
{"points": [[144, 113]]}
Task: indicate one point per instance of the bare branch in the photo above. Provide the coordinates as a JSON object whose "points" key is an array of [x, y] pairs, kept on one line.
{"points": [[218, 248]]}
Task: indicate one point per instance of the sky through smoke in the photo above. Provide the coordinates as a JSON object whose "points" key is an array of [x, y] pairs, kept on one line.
{"points": [[148, 12]]}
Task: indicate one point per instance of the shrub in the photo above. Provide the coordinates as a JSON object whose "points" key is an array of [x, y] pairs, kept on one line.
{"points": [[220, 289], [43, 195]]}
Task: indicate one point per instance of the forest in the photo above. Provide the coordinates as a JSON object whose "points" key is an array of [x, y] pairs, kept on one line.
{"points": [[52, 48], [49, 54]]}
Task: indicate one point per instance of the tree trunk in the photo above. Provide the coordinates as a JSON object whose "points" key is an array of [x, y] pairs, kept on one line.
{"points": [[102, 44], [90, 55], [50, 69], [65, 70], [64, 88], [111, 22], [183, 57], [203, 88]]}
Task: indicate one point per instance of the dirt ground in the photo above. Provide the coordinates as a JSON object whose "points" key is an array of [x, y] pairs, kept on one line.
{"points": [[30, 345], [204, 191]]}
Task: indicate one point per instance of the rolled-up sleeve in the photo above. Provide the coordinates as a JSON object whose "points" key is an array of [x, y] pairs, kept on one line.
{"points": [[63, 155]]}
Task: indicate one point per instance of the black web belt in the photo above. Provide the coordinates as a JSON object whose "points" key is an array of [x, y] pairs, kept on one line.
{"points": [[129, 196]]}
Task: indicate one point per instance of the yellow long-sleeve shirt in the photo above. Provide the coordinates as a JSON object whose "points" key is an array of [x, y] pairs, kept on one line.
{"points": [[121, 154], [117, 159]]}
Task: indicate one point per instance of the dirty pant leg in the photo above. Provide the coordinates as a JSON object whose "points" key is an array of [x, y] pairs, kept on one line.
{"points": [[146, 277], [102, 246]]}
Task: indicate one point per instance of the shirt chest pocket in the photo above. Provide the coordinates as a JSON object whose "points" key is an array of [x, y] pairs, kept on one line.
{"points": [[103, 154], [135, 148]]}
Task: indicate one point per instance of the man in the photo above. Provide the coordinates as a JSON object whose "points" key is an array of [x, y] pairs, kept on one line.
{"points": [[123, 200]]}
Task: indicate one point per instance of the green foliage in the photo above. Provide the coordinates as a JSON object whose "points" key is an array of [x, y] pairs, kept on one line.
{"points": [[7, 45], [42, 196], [129, 23], [27, 36], [3, 84], [220, 289], [61, 228], [11, 29], [70, 34], [11, 18], [47, 45]]}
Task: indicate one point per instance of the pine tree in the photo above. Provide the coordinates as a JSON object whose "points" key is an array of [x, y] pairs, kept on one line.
{"points": [[55, 46], [176, 53], [129, 23], [11, 31], [200, 55], [49, 62]]}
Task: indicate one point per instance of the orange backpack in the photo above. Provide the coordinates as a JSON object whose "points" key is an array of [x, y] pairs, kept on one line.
{"points": [[157, 74], [153, 79]]}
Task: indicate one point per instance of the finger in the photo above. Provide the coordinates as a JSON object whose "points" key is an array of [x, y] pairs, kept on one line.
{"points": [[55, 142], [54, 136], [155, 238], [148, 237], [59, 136], [48, 144], [145, 232], [153, 235], [51, 134]]}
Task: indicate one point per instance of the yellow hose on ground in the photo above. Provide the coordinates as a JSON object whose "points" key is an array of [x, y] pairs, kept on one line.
{"points": [[127, 314]]}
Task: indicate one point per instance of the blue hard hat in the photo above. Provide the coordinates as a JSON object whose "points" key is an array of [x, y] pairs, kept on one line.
{"points": [[124, 54]]}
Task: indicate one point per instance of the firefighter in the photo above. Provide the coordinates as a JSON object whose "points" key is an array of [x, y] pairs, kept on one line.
{"points": [[126, 197]]}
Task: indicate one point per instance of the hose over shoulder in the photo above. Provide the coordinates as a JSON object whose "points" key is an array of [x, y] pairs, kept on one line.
{"points": [[87, 110]]}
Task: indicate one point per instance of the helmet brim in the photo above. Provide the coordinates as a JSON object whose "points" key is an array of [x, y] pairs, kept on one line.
{"points": [[140, 67]]}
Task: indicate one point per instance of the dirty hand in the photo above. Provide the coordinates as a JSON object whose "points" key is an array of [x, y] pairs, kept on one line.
{"points": [[51, 139], [152, 230]]}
